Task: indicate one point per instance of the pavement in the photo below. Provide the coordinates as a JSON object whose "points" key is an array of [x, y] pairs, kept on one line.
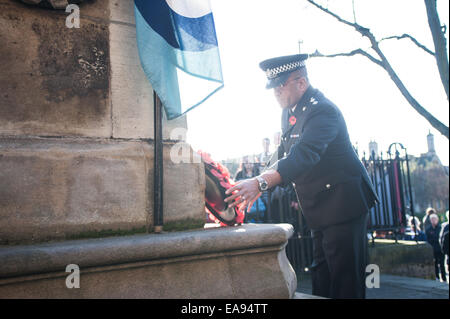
{"points": [[391, 287]]}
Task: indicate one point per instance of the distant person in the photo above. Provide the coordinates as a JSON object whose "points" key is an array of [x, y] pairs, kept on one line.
{"points": [[443, 239], [432, 233], [265, 156], [276, 145], [414, 232], [277, 139], [426, 219], [247, 169]]}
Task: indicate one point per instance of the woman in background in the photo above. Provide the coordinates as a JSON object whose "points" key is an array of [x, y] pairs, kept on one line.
{"points": [[247, 169], [432, 234]]}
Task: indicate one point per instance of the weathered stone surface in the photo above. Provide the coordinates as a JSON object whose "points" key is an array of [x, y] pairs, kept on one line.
{"points": [[53, 4], [184, 187], [82, 82], [76, 161], [54, 80], [57, 188], [131, 92], [234, 262]]}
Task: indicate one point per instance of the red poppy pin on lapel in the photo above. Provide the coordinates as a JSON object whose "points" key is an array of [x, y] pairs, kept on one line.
{"points": [[292, 120]]}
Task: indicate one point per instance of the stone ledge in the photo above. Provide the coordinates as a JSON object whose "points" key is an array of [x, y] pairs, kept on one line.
{"points": [[300, 295], [248, 261], [41, 258]]}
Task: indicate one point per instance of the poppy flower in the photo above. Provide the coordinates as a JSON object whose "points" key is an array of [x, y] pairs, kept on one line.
{"points": [[292, 120]]}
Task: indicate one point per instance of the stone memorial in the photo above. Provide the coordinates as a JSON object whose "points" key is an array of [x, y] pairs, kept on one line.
{"points": [[76, 173]]}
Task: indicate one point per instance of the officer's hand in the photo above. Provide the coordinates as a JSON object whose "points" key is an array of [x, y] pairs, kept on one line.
{"points": [[245, 193]]}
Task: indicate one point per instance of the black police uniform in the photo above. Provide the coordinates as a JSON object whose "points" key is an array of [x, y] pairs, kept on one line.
{"points": [[332, 185]]}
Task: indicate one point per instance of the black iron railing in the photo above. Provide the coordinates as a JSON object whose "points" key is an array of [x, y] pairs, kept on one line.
{"points": [[281, 206], [391, 180]]}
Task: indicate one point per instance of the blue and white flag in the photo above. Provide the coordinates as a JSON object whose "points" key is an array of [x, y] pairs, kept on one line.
{"points": [[178, 50]]}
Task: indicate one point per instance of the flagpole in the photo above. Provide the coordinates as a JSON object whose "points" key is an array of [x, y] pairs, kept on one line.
{"points": [[158, 212]]}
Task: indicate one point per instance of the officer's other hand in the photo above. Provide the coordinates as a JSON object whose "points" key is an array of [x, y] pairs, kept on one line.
{"points": [[244, 194]]}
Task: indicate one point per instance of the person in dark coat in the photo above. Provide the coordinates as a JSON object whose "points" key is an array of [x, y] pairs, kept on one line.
{"points": [[432, 234], [332, 185], [413, 231], [426, 219], [247, 169], [443, 240]]}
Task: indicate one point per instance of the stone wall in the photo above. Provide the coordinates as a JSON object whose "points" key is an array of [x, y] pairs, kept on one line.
{"points": [[76, 128], [404, 258]]}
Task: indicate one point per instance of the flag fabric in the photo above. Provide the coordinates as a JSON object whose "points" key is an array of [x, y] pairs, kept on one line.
{"points": [[178, 50]]}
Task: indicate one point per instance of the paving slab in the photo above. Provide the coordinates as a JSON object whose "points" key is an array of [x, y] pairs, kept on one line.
{"points": [[392, 287]]}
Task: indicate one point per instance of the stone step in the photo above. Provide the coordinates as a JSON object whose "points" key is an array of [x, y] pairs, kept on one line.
{"points": [[248, 261]]}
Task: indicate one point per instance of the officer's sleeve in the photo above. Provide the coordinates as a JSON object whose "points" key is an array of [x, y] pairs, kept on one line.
{"points": [[320, 130]]}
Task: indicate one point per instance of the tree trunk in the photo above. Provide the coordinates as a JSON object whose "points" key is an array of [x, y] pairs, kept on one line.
{"points": [[440, 43]]}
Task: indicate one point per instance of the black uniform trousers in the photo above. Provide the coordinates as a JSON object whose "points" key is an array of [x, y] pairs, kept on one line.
{"points": [[340, 260]]}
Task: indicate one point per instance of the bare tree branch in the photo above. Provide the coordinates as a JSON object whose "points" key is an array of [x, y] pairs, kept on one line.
{"points": [[384, 63], [351, 53], [354, 25], [354, 14], [440, 43], [405, 35]]}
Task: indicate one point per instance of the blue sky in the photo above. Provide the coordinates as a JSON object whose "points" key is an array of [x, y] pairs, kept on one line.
{"points": [[234, 121]]}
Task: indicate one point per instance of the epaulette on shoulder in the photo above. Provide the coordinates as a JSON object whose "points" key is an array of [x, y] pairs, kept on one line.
{"points": [[313, 101]]}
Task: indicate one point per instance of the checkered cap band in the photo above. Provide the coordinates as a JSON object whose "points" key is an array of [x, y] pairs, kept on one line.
{"points": [[274, 72]]}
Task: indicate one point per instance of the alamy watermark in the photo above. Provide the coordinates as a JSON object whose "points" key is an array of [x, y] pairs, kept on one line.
{"points": [[73, 280], [181, 151], [373, 278], [73, 19]]}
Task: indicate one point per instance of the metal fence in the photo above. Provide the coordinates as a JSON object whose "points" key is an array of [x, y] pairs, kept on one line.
{"points": [[391, 179], [281, 207]]}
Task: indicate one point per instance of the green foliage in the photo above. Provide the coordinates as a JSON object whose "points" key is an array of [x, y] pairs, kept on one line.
{"points": [[185, 224], [107, 233]]}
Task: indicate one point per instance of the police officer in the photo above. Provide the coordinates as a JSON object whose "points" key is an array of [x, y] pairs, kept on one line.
{"points": [[332, 185]]}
